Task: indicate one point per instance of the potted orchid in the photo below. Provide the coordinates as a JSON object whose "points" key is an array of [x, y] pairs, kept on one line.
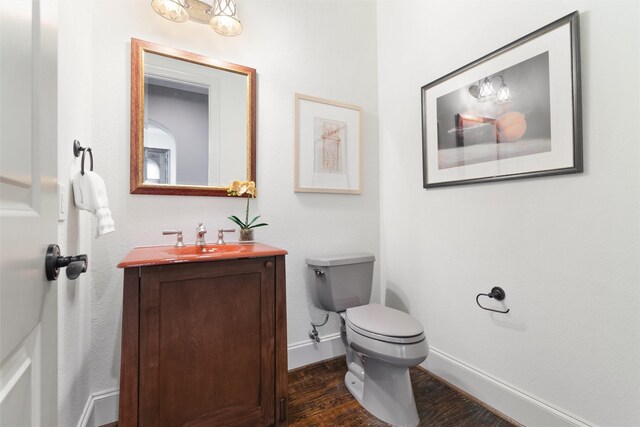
{"points": [[245, 189]]}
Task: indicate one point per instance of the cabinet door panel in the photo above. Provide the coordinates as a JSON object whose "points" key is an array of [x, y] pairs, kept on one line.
{"points": [[212, 361]]}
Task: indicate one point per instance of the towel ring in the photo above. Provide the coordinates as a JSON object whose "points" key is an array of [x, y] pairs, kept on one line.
{"points": [[498, 294], [77, 148]]}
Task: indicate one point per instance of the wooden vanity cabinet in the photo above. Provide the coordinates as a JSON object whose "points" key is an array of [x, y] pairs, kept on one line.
{"points": [[204, 344]]}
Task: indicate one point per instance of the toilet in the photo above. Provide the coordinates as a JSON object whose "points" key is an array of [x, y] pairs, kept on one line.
{"points": [[381, 343]]}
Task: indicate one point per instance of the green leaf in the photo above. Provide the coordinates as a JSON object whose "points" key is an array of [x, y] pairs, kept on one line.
{"points": [[237, 221], [258, 225], [253, 220]]}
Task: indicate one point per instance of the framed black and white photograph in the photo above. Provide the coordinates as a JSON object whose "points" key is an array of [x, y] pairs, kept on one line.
{"points": [[328, 145], [514, 113]]}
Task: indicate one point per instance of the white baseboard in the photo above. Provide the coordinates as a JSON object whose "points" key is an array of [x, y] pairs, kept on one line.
{"points": [[101, 408], [307, 352], [514, 403]]}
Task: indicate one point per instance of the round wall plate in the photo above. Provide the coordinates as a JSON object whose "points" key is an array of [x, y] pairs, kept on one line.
{"points": [[498, 293], [76, 148], [199, 11], [50, 262]]}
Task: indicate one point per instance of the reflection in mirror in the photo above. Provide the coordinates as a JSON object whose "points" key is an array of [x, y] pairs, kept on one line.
{"points": [[192, 122], [159, 154]]}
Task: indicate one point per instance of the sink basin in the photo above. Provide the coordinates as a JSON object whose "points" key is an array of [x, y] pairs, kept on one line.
{"points": [[206, 250]]}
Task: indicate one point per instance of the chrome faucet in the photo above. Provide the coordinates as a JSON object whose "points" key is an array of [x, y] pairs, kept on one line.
{"points": [[221, 235], [200, 236]]}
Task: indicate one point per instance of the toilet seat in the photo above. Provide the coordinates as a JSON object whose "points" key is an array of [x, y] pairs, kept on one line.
{"points": [[384, 324]]}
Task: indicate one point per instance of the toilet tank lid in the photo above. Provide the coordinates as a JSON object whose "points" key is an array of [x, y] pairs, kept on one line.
{"points": [[333, 260]]}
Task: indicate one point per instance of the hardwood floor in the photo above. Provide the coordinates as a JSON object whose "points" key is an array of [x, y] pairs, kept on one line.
{"points": [[319, 397]]}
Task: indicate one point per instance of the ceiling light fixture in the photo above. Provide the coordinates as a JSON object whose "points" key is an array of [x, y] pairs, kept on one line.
{"points": [[222, 15]]}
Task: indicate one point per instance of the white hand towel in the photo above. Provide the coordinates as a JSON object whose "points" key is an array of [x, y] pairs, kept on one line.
{"points": [[90, 194]]}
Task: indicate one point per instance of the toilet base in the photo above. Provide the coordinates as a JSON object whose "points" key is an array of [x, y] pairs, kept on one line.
{"points": [[354, 385], [385, 392]]}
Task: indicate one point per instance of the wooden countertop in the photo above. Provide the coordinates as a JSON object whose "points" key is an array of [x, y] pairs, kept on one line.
{"points": [[159, 255]]}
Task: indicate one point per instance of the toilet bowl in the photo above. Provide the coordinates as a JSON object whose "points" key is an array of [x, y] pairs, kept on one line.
{"points": [[386, 334], [387, 342], [381, 343]]}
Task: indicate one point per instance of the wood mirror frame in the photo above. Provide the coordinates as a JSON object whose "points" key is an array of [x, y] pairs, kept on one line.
{"points": [[137, 184]]}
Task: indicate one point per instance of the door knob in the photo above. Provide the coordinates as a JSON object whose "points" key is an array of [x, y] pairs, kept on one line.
{"points": [[76, 264]]}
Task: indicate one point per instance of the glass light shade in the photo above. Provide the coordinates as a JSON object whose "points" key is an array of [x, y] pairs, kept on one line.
{"points": [[503, 94], [173, 10], [225, 18], [486, 90]]}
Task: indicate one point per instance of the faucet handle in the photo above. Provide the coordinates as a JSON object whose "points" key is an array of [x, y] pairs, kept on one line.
{"points": [[221, 236], [201, 228], [178, 233]]}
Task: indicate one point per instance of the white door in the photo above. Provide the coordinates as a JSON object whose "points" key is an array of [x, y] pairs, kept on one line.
{"points": [[28, 212]]}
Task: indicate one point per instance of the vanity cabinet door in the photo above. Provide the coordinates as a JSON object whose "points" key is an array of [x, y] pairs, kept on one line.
{"points": [[206, 349]]}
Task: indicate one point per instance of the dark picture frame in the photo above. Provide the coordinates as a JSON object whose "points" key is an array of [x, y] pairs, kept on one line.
{"points": [[514, 113]]}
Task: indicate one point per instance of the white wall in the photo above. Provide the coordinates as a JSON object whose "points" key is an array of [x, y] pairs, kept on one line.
{"points": [[74, 234], [565, 248], [320, 48]]}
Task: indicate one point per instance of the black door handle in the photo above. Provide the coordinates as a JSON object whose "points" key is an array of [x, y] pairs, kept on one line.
{"points": [[76, 265]]}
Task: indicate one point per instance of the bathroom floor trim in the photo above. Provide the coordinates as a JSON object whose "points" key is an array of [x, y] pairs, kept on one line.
{"points": [[101, 408], [470, 396], [308, 352], [496, 395]]}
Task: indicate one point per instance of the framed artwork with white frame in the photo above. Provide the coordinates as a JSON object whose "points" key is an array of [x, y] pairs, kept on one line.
{"points": [[328, 146]]}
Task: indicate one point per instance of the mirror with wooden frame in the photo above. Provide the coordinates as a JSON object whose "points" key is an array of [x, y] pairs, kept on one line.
{"points": [[192, 122]]}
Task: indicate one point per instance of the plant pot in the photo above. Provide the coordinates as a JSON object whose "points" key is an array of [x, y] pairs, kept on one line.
{"points": [[246, 234]]}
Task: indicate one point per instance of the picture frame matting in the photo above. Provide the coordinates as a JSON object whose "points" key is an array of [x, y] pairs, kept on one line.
{"points": [[328, 146]]}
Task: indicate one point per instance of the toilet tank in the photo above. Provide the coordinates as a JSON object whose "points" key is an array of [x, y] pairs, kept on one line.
{"points": [[342, 281]]}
